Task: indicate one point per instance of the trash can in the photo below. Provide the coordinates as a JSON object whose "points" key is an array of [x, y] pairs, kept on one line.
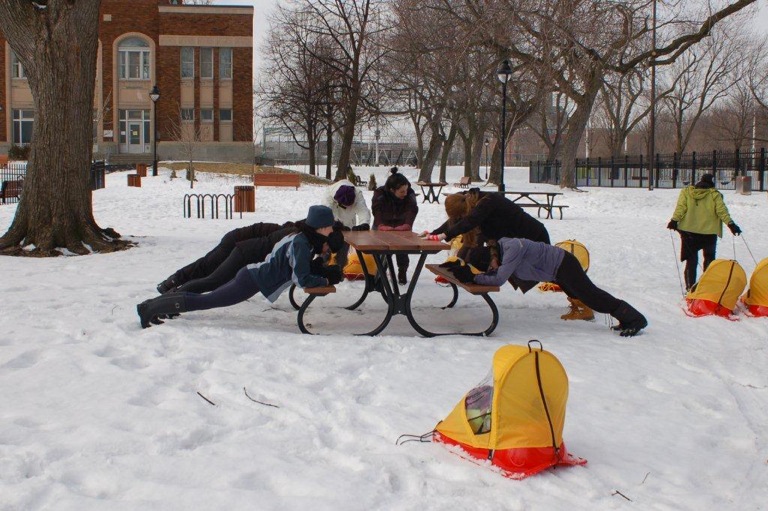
{"points": [[245, 199], [141, 169], [134, 180], [744, 185]]}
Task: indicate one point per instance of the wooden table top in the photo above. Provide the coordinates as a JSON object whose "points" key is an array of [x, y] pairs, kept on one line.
{"points": [[392, 241]]}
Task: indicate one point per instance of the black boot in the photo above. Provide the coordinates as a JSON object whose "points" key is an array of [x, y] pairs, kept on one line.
{"points": [[402, 278], [630, 320], [168, 304], [168, 284]]}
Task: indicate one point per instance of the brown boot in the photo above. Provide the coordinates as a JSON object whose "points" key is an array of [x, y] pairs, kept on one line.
{"points": [[578, 311]]}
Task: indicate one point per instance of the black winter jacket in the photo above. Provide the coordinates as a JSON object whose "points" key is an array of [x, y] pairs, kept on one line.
{"points": [[390, 211], [497, 217]]}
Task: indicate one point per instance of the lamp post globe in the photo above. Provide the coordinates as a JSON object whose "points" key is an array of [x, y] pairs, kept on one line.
{"points": [[154, 95], [504, 73]]}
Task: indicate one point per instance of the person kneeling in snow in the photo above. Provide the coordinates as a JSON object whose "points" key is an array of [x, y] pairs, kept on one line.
{"points": [[525, 263], [291, 260]]}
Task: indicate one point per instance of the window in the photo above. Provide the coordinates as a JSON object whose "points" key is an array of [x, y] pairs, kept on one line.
{"points": [[133, 59], [23, 122], [206, 63], [225, 115], [17, 70], [187, 114], [206, 114], [187, 62], [225, 63]]}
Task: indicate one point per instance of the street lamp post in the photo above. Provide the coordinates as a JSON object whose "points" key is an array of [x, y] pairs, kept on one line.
{"points": [[504, 74], [652, 142], [486, 159], [154, 95]]}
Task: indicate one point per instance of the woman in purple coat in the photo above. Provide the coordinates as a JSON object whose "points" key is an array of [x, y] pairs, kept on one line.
{"points": [[394, 209], [530, 262]]}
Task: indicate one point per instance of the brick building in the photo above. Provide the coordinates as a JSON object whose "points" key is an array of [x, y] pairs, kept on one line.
{"points": [[201, 59]]}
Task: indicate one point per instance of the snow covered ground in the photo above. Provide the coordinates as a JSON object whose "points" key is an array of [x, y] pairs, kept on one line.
{"points": [[100, 414]]}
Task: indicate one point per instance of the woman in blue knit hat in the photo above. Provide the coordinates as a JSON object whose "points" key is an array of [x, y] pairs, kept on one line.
{"points": [[291, 261]]}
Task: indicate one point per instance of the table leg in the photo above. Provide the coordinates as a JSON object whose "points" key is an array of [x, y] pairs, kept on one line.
{"points": [[389, 294]]}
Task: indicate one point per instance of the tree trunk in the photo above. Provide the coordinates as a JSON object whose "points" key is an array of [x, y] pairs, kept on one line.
{"points": [[57, 47], [428, 163], [328, 150]]}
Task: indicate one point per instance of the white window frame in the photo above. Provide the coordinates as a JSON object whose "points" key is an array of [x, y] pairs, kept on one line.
{"points": [[206, 115], [133, 47], [206, 63], [187, 115], [225, 64], [17, 70], [20, 118], [221, 119], [187, 62]]}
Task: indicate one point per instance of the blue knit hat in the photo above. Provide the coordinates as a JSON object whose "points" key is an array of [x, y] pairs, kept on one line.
{"points": [[319, 217]]}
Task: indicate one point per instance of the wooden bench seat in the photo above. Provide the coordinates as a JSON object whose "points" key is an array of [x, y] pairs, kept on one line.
{"points": [[475, 289], [464, 182], [287, 179], [313, 293], [11, 189], [319, 291]]}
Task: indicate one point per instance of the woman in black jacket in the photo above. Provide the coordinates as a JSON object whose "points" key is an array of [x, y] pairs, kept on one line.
{"points": [[394, 209]]}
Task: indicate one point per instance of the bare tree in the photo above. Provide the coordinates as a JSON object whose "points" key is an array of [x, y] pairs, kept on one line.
{"points": [[296, 85], [190, 136], [703, 75], [56, 42], [354, 29], [734, 117]]}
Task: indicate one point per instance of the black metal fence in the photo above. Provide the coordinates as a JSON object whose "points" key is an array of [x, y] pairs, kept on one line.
{"points": [[670, 170], [12, 172]]}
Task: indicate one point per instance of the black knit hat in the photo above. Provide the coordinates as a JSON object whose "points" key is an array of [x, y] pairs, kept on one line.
{"points": [[707, 181], [319, 217]]}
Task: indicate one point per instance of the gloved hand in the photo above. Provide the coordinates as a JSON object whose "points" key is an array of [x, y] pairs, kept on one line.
{"points": [[317, 266], [734, 229], [435, 237], [385, 228], [335, 241], [362, 227], [672, 225], [333, 274], [463, 274], [338, 226], [451, 264]]}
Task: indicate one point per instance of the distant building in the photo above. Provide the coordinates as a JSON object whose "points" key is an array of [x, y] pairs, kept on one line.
{"points": [[199, 56]]}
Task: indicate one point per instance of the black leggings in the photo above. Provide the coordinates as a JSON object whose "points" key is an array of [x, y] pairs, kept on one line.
{"points": [[237, 290], [689, 252], [225, 272], [575, 283]]}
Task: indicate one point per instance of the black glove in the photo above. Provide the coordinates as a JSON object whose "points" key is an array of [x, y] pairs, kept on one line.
{"points": [[333, 274], [317, 267], [463, 274], [451, 264], [672, 225], [734, 229], [335, 241], [338, 227], [362, 227]]}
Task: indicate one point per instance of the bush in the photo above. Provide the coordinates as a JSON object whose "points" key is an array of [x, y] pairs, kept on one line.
{"points": [[351, 175], [372, 183], [17, 152]]}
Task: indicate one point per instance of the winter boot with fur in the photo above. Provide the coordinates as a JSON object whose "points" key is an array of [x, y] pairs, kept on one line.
{"points": [[402, 278], [578, 311], [630, 320], [165, 305]]}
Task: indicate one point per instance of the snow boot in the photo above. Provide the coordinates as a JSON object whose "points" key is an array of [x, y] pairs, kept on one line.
{"points": [[578, 311], [630, 320], [402, 278], [168, 304], [168, 284]]}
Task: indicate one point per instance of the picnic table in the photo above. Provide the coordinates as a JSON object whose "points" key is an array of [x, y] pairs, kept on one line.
{"points": [[539, 200], [428, 189]]}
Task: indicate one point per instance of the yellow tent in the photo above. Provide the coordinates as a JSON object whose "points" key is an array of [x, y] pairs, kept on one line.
{"points": [[515, 417], [756, 297], [579, 251], [718, 289]]}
